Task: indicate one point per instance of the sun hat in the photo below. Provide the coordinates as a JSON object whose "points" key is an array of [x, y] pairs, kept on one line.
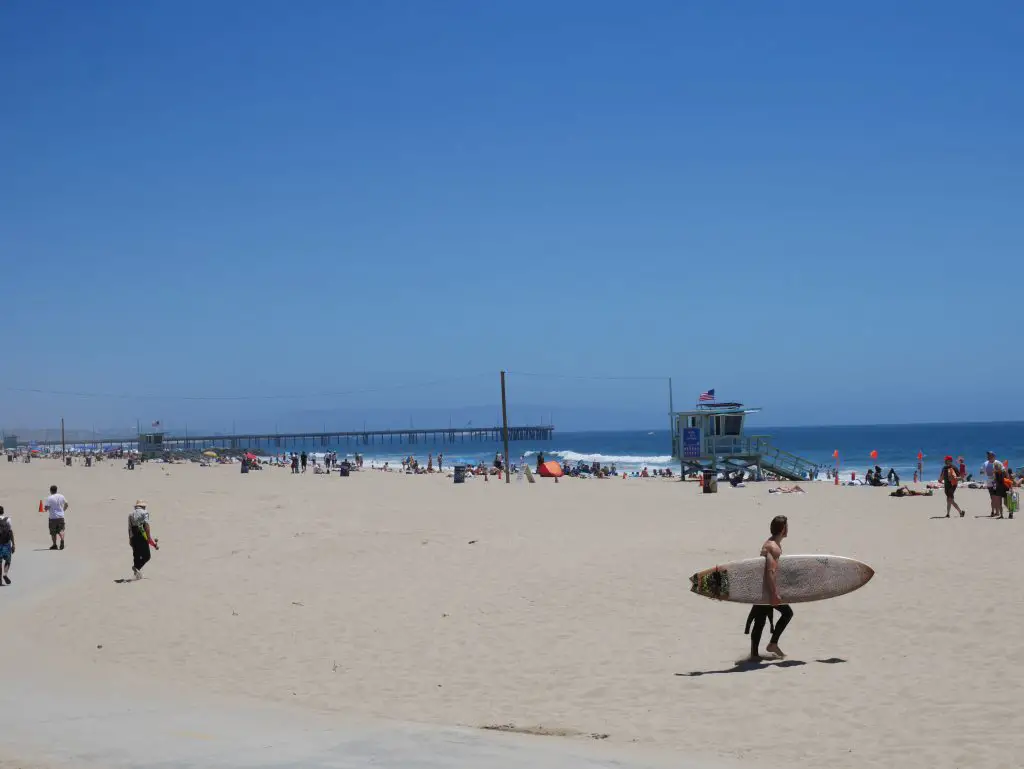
{"points": [[140, 503]]}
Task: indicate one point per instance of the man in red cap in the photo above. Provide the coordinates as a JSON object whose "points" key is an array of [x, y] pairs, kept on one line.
{"points": [[950, 478]]}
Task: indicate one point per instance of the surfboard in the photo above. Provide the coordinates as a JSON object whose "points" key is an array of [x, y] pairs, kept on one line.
{"points": [[801, 578]]}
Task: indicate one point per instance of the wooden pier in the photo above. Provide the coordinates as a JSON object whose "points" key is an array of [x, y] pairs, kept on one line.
{"points": [[274, 442]]}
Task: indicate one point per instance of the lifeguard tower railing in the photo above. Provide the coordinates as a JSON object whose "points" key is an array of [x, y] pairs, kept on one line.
{"points": [[758, 449]]}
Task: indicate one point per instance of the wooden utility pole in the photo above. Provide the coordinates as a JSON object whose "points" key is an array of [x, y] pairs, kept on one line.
{"points": [[504, 429], [63, 450]]}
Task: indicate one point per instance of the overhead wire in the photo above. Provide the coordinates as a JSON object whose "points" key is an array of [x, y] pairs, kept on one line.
{"points": [[249, 397]]}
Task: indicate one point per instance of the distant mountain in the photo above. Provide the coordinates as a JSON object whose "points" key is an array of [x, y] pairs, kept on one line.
{"points": [[28, 434]]}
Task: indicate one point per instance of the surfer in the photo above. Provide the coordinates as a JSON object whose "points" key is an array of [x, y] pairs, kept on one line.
{"points": [[771, 551]]}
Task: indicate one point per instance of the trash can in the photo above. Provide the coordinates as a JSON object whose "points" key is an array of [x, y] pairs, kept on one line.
{"points": [[344, 469], [67, 461], [88, 461], [460, 474], [710, 482]]}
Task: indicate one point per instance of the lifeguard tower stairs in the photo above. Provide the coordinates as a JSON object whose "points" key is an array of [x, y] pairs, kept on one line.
{"points": [[711, 437]]}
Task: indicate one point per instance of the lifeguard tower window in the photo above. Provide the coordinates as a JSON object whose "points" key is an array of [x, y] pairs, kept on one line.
{"points": [[719, 424], [728, 424]]}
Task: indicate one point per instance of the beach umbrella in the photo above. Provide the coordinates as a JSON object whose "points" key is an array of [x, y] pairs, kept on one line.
{"points": [[212, 454]]}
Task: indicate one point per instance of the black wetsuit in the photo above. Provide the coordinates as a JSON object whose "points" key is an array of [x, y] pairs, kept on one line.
{"points": [[761, 614]]}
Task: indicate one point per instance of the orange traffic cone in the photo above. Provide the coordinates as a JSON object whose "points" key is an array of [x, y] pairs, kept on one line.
{"points": [[40, 505]]}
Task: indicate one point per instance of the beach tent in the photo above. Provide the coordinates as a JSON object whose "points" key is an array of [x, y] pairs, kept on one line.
{"points": [[550, 470]]}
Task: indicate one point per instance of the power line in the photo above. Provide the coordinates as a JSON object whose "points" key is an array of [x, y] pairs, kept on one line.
{"points": [[295, 396], [590, 377]]}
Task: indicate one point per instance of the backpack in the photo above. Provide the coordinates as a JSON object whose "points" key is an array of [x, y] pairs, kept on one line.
{"points": [[952, 476], [6, 532]]}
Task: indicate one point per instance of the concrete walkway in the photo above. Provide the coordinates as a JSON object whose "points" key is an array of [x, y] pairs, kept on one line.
{"points": [[101, 719]]}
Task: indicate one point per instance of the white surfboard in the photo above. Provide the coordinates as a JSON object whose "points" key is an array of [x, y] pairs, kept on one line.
{"points": [[800, 578]]}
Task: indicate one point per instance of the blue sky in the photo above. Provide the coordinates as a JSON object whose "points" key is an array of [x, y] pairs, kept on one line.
{"points": [[812, 207]]}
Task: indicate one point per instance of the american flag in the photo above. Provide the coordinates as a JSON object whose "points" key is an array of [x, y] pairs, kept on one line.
{"points": [[708, 395], [156, 423]]}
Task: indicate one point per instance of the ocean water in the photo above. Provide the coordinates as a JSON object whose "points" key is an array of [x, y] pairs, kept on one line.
{"points": [[897, 447]]}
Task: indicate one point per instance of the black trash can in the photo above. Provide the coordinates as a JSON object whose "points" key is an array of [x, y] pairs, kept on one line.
{"points": [[344, 469], [88, 461], [710, 481], [460, 474], [67, 461]]}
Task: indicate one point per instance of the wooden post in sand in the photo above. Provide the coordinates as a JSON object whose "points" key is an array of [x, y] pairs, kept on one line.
{"points": [[63, 451], [504, 427]]}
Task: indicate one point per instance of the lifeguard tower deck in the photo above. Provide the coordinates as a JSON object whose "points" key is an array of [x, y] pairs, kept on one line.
{"points": [[711, 436]]}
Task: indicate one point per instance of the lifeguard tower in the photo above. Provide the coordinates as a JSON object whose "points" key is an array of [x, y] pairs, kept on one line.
{"points": [[711, 437], [151, 445]]}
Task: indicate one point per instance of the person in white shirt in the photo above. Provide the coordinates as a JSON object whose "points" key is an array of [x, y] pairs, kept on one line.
{"points": [[56, 506], [989, 471], [140, 537]]}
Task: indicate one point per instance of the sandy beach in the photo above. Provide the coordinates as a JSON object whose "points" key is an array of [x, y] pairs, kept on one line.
{"points": [[562, 608]]}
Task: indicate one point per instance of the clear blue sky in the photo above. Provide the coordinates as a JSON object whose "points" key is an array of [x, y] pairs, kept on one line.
{"points": [[812, 207]]}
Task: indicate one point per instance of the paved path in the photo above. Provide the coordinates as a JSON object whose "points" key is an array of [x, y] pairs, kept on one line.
{"points": [[102, 719]]}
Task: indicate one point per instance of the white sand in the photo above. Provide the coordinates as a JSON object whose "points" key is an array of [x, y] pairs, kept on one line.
{"points": [[570, 611]]}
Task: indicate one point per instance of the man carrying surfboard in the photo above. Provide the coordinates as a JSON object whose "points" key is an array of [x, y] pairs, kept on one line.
{"points": [[771, 551]]}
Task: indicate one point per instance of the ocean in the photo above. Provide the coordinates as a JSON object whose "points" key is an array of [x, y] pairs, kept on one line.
{"points": [[897, 447]]}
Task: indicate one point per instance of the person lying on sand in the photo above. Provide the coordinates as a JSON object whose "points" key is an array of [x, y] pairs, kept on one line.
{"points": [[903, 491], [795, 489]]}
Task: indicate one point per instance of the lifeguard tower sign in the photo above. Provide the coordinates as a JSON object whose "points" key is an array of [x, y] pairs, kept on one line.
{"points": [[691, 442]]}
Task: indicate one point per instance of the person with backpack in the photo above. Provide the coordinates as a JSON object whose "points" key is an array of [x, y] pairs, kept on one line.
{"points": [[950, 478], [999, 490], [140, 537], [6, 547]]}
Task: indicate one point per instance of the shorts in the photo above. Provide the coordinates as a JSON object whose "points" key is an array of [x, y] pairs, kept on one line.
{"points": [[5, 553], [56, 526], [950, 492]]}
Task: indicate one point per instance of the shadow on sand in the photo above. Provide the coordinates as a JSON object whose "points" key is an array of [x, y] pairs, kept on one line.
{"points": [[746, 666]]}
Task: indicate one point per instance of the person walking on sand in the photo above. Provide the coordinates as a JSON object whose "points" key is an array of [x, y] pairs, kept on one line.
{"points": [[949, 478], [771, 551], [140, 537], [56, 506], [988, 470], [6, 548]]}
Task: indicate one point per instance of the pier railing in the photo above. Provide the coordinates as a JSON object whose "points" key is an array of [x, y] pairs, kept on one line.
{"points": [[356, 438]]}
